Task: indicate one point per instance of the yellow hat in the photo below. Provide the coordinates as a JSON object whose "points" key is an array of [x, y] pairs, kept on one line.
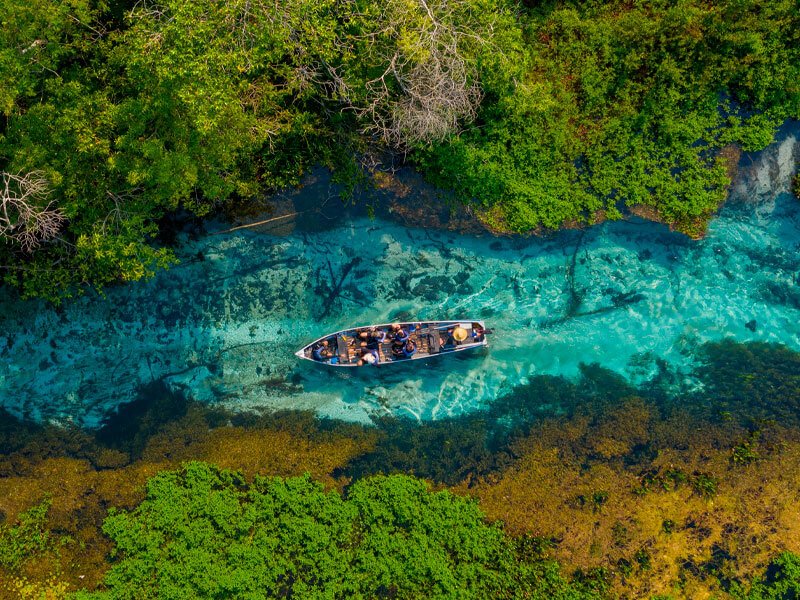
{"points": [[460, 334]]}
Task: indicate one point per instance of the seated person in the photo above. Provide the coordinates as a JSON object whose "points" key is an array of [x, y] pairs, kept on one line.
{"points": [[477, 333], [449, 340], [368, 357], [373, 342], [409, 349], [397, 349], [378, 334], [400, 334], [320, 352]]}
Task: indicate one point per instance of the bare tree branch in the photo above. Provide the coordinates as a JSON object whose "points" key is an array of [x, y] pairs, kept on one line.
{"points": [[437, 84], [27, 218]]}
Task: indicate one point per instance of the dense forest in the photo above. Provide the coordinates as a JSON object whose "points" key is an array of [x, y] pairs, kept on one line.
{"points": [[537, 115]]}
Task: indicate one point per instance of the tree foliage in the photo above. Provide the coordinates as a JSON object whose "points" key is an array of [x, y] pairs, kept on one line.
{"points": [[206, 533], [542, 116], [627, 104]]}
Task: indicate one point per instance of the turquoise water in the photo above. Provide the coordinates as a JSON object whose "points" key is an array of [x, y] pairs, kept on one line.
{"points": [[223, 325]]}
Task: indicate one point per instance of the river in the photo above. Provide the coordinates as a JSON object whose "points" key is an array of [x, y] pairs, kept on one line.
{"points": [[223, 325]]}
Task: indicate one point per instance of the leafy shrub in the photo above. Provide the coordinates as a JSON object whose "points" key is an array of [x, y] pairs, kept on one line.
{"points": [[27, 538], [203, 532], [781, 581]]}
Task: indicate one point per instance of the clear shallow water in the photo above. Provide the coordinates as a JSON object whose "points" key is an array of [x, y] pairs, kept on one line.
{"points": [[223, 325]]}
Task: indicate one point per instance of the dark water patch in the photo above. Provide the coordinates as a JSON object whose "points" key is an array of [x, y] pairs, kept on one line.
{"points": [[25, 444], [750, 382], [130, 428], [745, 390], [448, 451]]}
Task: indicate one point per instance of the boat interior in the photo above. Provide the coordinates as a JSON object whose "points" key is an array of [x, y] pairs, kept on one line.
{"points": [[346, 348]]}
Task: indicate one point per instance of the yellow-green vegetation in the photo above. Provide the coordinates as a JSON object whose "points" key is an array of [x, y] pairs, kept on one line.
{"points": [[118, 114], [629, 493], [664, 508]]}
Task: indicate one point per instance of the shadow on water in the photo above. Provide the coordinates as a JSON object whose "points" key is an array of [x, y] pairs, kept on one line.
{"points": [[129, 428]]}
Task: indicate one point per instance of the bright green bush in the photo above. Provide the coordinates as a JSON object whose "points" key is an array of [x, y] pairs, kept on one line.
{"points": [[780, 582], [206, 533]]}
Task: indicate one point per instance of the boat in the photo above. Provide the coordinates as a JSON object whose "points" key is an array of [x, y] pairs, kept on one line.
{"points": [[430, 338]]}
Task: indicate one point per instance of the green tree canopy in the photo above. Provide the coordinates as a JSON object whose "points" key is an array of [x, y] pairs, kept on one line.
{"points": [[541, 116], [206, 533], [626, 104]]}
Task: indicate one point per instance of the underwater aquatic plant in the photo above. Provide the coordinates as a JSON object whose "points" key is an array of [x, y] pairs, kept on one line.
{"points": [[704, 484], [26, 538], [745, 452]]}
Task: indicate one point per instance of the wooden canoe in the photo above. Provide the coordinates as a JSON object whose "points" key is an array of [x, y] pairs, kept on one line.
{"points": [[429, 338]]}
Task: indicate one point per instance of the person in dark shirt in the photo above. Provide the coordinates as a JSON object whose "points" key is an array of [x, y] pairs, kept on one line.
{"points": [[373, 343], [449, 340], [397, 349], [320, 352]]}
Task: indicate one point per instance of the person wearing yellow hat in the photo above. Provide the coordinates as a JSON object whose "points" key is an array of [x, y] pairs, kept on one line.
{"points": [[459, 334]]}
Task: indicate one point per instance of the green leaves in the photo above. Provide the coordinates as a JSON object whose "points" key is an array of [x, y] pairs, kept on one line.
{"points": [[571, 113], [781, 580], [27, 538], [205, 533], [191, 104], [626, 105]]}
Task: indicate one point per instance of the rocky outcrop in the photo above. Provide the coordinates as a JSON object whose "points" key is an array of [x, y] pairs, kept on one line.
{"points": [[764, 176]]}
